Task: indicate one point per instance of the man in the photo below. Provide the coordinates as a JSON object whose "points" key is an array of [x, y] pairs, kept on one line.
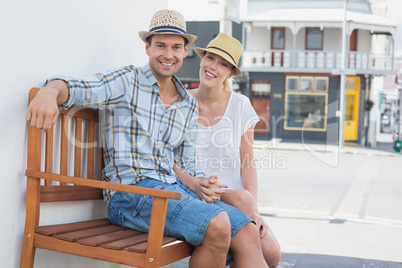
{"points": [[149, 127]]}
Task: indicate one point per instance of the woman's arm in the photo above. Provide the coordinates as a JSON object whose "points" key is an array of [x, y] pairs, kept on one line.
{"points": [[248, 171], [208, 189], [249, 176]]}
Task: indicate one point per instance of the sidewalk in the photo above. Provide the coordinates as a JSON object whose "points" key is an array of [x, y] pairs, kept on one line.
{"points": [[384, 147], [303, 235]]}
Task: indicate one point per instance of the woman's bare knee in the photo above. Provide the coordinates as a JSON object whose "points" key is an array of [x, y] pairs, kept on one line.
{"points": [[240, 199]]}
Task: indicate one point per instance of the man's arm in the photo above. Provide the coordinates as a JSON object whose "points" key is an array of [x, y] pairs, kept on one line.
{"points": [[43, 110]]}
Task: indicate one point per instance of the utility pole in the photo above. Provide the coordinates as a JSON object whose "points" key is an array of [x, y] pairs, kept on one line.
{"points": [[225, 24], [343, 81], [400, 111]]}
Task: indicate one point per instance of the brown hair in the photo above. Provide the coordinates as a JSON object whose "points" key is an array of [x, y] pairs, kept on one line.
{"points": [[149, 40]]}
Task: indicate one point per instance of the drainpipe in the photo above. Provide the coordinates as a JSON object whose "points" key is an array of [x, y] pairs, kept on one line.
{"points": [[343, 82], [392, 51], [294, 45]]}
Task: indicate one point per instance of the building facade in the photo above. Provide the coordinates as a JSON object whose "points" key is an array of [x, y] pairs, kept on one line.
{"points": [[292, 66], [293, 60]]}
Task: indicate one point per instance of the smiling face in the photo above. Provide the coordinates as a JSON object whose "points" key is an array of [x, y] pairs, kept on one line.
{"points": [[166, 53], [214, 70]]}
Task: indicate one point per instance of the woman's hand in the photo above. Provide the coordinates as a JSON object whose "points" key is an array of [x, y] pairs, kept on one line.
{"points": [[261, 225], [210, 189]]}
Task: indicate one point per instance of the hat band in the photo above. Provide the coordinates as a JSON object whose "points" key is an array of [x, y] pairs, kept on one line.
{"points": [[168, 29], [225, 52]]}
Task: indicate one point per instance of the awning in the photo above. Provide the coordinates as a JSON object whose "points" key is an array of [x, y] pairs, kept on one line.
{"points": [[299, 18]]}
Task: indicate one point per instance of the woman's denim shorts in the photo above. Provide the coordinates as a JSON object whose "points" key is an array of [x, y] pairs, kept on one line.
{"points": [[187, 218]]}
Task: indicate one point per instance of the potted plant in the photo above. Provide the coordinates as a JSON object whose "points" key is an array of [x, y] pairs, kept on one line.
{"points": [[369, 105]]}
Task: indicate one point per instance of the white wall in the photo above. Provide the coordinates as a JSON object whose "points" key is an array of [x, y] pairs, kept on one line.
{"points": [[40, 39], [258, 39]]}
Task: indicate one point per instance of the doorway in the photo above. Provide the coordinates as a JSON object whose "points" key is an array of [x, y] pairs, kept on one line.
{"points": [[260, 97], [352, 108]]}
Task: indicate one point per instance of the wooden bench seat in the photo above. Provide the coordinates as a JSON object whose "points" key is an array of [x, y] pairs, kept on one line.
{"points": [[96, 238]]}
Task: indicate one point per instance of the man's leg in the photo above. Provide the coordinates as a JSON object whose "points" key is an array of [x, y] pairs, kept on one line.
{"points": [[203, 225], [215, 245]]}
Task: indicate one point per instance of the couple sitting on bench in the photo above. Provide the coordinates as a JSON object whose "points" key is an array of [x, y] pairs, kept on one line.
{"points": [[159, 135]]}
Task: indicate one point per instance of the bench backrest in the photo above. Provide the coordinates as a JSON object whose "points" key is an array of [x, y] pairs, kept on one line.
{"points": [[72, 147]]}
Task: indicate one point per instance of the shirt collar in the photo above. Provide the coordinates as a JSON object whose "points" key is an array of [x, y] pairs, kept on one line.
{"points": [[184, 94]]}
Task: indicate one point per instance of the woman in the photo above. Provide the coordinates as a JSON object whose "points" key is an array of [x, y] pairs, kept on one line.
{"points": [[224, 138]]}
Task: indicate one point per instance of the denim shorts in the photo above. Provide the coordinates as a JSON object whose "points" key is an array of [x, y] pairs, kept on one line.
{"points": [[187, 218]]}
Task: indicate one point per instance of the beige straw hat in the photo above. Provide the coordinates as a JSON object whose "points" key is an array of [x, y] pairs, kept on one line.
{"points": [[225, 46], [167, 22]]}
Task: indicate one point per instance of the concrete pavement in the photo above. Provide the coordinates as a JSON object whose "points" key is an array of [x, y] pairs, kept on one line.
{"points": [[314, 239]]}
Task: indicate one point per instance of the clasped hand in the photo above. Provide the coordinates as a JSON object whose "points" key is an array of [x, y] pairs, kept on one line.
{"points": [[210, 189]]}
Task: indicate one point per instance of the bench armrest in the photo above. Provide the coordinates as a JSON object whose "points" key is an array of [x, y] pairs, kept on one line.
{"points": [[102, 184]]}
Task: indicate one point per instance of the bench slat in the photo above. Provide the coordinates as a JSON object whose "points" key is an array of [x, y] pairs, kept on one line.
{"points": [[86, 113], [127, 242], [108, 238], [77, 147], [64, 147], [141, 248], [81, 234], [69, 193], [49, 154], [91, 150], [70, 227]]}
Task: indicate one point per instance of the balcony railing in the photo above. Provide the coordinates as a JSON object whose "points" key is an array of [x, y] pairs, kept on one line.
{"points": [[317, 60]]}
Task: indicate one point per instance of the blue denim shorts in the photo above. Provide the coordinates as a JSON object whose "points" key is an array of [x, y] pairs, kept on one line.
{"points": [[187, 218]]}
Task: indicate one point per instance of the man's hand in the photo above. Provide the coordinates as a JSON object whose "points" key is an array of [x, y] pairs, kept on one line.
{"points": [[210, 189], [43, 110]]}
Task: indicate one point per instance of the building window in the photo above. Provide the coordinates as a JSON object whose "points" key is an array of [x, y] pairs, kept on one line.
{"points": [[260, 89], [306, 83], [292, 83], [278, 38], [321, 84], [314, 38], [306, 103]]}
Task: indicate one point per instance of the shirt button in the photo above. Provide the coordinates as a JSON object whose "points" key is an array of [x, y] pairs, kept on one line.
{"points": [[160, 131]]}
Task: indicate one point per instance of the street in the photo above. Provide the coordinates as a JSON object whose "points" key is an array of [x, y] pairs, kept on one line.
{"points": [[333, 209]]}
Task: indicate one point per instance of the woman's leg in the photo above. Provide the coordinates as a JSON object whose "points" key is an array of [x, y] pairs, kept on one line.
{"points": [[244, 201]]}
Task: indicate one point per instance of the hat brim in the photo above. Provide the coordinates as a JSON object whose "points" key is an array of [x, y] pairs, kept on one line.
{"points": [[201, 51], [145, 34]]}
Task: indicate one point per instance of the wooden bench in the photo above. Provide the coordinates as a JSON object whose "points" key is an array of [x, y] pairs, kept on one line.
{"points": [[98, 238]]}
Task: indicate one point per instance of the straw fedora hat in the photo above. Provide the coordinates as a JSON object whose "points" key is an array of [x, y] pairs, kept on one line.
{"points": [[167, 22], [225, 46]]}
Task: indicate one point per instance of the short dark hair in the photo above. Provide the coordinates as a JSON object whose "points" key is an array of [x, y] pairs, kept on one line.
{"points": [[149, 40]]}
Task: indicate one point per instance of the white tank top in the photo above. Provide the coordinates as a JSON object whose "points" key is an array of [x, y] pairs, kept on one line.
{"points": [[218, 147]]}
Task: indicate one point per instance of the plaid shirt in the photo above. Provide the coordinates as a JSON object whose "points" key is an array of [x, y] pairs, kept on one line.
{"points": [[141, 138]]}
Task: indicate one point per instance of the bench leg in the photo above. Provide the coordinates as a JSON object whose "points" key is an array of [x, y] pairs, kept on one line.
{"points": [[28, 251], [31, 223]]}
